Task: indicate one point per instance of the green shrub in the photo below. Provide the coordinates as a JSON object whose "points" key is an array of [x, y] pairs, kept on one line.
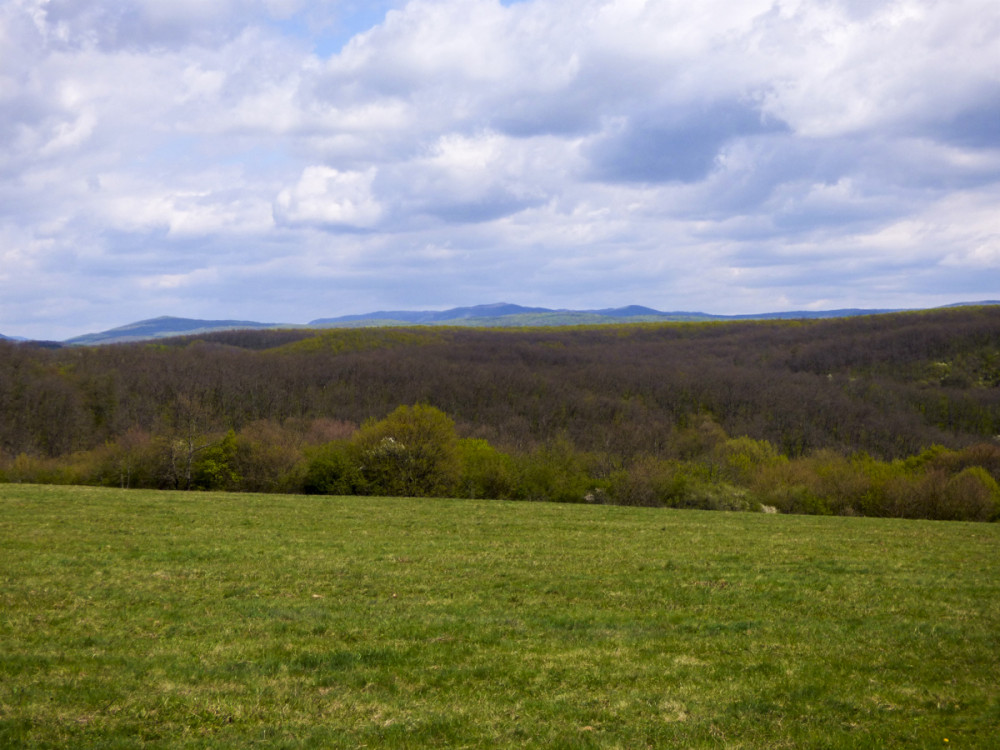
{"points": [[268, 458], [333, 469], [641, 482], [791, 487], [131, 461], [486, 472], [983, 455], [412, 452], [926, 457], [741, 459], [653, 482], [556, 472], [691, 493], [971, 495], [25, 469], [794, 498], [215, 466]]}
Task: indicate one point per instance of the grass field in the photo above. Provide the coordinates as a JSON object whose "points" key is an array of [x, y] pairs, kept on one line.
{"points": [[210, 620]]}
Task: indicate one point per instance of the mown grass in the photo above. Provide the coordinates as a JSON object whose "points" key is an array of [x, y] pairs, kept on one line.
{"points": [[211, 620]]}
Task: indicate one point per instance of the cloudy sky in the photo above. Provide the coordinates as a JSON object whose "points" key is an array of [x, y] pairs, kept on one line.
{"points": [[285, 160]]}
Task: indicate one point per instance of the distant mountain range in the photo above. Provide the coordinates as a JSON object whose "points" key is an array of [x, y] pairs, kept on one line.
{"points": [[494, 315]]}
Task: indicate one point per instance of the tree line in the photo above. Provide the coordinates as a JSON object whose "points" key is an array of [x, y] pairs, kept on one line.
{"points": [[610, 404]]}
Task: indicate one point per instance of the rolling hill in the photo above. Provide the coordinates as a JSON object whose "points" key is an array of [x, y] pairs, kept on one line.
{"points": [[500, 314], [164, 327]]}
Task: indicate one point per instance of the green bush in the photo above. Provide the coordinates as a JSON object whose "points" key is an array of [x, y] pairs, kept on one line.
{"points": [[983, 455], [128, 462], [556, 472], [486, 472], [927, 457], [413, 452], [268, 458], [791, 487], [741, 459], [794, 498], [25, 469], [641, 483], [971, 495], [694, 485], [333, 469], [653, 482], [215, 466]]}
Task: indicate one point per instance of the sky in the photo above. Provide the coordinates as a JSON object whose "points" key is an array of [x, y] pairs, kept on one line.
{"points": [[287, 160]]}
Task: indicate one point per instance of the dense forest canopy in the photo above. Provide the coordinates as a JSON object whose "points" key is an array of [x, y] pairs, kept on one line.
{"points": [[889, 385], [881, 415]]}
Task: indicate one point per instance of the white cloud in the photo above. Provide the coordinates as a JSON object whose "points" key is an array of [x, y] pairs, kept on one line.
{"points": [[481, 177], [903, 64], [327, 197], [661, 153], [198, 277]]}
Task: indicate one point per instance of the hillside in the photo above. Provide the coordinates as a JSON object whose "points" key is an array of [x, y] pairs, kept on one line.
{"points": [[888, 384], [500, 315], [163, 327], [888, 415]]}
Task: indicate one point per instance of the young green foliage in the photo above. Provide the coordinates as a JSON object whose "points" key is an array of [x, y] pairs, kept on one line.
{"points": [[413, 452]]}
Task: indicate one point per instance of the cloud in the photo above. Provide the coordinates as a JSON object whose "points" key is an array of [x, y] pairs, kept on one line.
{"points": [[476, 178], [712, 155], [680, 143], [150, 25], [977, 125], [326, 197]]}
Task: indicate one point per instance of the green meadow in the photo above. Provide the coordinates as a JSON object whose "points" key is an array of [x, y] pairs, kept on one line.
{"points": [[153, 619]]}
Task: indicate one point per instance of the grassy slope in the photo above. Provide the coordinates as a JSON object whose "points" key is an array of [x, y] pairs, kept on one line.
{"points": [[184, 620]]}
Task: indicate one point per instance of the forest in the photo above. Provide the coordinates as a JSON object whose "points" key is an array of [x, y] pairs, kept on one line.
{"points": [[893, 414]]}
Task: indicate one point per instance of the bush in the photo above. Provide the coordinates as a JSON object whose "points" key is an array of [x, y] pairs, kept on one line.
{"points": [[25, 469], [983, 455], [215, 466], [130, 461], [641, 483], [333, 469], [486, 472], [653, 482], [741, 459], [971, 495], [413, 452], [556, 472], [268, 457], [791, 487], [713, 495]]}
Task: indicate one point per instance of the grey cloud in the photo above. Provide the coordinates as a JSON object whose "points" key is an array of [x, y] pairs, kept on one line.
{"points": [[601, 85], [428, 193], [759, 165], [873, 283], [976, 126], [676, 144], [150, 25], [488, 208], [566, 113], [126, 25], [783, 186]]}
